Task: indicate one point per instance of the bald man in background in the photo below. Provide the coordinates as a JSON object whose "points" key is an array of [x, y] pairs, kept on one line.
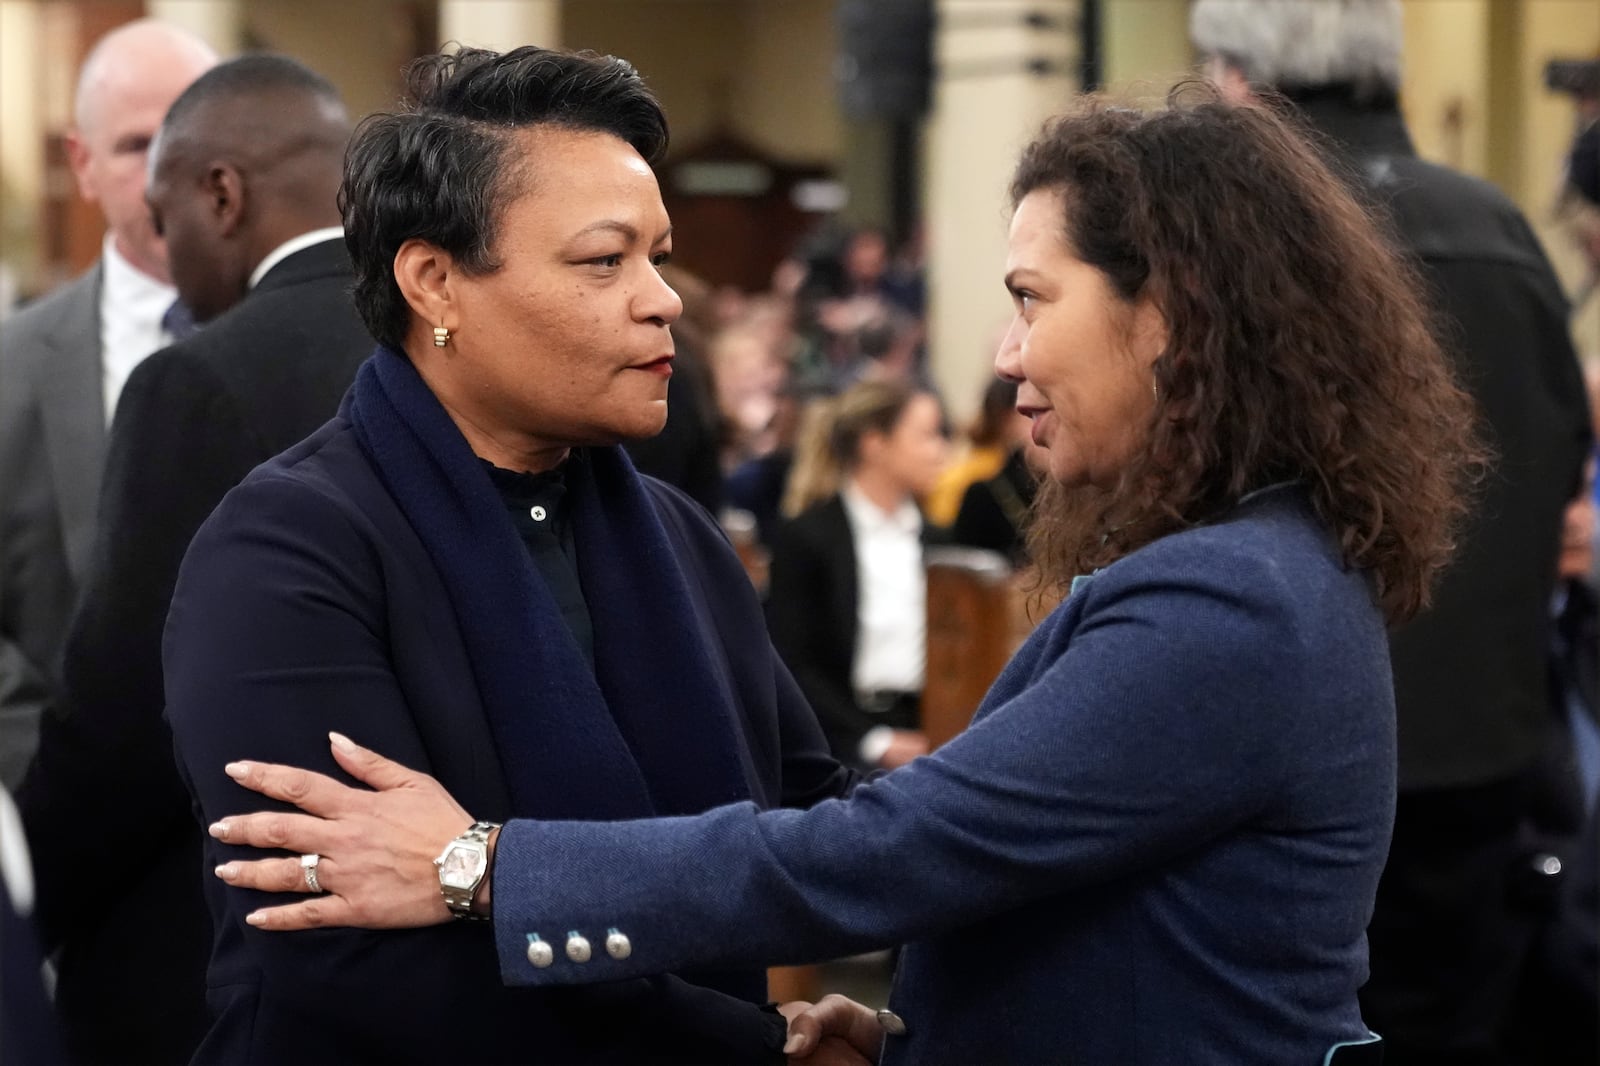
{"points": [[63, 362], [243, 181]]}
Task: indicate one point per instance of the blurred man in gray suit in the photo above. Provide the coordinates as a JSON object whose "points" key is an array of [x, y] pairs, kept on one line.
{"points": [[63, 362], [243, 183]]}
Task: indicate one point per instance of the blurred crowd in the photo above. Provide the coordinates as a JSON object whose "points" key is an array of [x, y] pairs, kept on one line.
{"points": [[770, 363]]}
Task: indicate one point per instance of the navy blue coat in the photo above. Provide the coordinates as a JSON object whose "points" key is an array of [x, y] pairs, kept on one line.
{"points": [[1159, 841], [307, 603]]}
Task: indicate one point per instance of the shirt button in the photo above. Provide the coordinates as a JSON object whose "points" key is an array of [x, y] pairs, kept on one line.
{"points": [[538, 514], [577, 948], [891, 1023], [539, 951], [618, 946]]}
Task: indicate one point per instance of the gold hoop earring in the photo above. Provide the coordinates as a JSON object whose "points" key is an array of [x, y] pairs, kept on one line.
{"points": [[441, 336]]}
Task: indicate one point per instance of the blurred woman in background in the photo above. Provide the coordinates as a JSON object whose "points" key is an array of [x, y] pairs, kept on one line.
{"points": [[847, 600], [994, 510], [988, 440]]}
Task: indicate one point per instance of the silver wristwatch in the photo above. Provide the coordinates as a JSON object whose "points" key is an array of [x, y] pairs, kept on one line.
{"points": [[462, 864]]}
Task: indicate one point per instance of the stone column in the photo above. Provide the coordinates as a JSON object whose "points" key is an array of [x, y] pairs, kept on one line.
{"points": [[1002, 68]]}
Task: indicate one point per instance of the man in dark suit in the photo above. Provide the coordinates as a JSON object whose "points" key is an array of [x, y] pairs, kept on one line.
{"points": [[1450, 937], [63, 361], [243, 183]]}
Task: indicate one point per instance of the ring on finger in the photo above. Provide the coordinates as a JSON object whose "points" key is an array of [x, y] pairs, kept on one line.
{"points": [[308, 867]]}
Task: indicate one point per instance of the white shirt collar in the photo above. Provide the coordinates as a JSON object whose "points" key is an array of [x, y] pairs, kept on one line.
{"points": [[129, 285], [291, 246], [891, 595], [132, 304], [865, 514]]}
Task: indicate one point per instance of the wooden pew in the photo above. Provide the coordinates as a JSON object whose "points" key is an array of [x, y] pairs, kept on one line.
{"points": [[977, 618], [969, 635], [788, 983]]}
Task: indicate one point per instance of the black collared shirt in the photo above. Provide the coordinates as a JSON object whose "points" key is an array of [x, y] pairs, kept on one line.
{"points": [[541, 513]]}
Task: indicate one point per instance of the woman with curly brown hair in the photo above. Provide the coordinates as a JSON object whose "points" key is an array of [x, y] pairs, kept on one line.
{"points": [[1160, 838]]}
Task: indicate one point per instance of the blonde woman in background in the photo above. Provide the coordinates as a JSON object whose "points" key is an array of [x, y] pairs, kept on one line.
{"points": [[847, 599]]}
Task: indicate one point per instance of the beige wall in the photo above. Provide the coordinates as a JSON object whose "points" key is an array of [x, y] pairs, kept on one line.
{"points": [[1145, 45], [1552, 28], [219, 23], [21, 120], [499, 25], [759, 69], [36, 96], [1445, 81], [359, 45], [783, 95]]}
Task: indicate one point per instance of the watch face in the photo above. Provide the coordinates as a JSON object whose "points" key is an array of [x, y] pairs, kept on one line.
{"points": [[462, 866]]}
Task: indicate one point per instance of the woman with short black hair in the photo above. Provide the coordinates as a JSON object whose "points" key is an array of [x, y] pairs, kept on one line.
{"points": [[464, 568]]}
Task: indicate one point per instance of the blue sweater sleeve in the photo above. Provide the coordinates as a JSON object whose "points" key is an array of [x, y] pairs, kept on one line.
{"points": [[1144, 719]]}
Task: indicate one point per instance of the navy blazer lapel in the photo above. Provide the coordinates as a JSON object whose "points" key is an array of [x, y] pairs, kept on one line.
{"points": [[69, 381]]}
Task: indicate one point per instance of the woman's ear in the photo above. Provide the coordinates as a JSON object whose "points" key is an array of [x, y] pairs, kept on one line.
{"points": [[1149, 332], [424, 272]]}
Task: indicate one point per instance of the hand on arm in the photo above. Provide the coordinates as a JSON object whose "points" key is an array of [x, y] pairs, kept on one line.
{"points": [[376, 847], [1023, 805]]}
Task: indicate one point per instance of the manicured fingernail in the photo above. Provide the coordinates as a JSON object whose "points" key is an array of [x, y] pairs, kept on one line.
{"points": [[343, 743], [256, 918], [796, 1044], [236, 770], [227, 871], [218, 829]]}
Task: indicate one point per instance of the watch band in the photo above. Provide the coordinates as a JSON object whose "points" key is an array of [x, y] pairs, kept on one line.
{"points": [[458, 898]]}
